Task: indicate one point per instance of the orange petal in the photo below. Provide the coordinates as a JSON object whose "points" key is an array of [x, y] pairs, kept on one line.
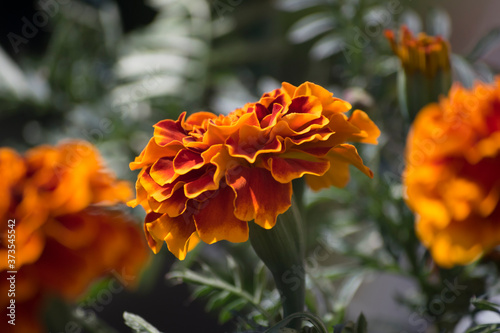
{"points": [[206, 182], [175, 231], [259, 196], [169, 131], [370, 131], [152, 153], [349, 153], [187, 160], [174, 206], [162, 171], [338, 175], [197, 119], [305, 105], [294, 165], [215, 220], [251, 141]]}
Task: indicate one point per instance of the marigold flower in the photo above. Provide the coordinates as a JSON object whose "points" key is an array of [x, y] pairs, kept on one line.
{"points": [[424, 54], [65, 234], [452, 179], [205, 176]]}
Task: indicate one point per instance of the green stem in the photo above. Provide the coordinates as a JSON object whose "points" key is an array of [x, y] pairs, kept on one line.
{"points": [[309, 316], [282, 251]]}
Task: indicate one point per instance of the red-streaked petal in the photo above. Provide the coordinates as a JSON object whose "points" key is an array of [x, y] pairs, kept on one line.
{"points": [[330, 104], [157, 192], [174, 206], [250, 142], [259, 196], [294, 165], [305, 105], [215, 220], [154, 243], [197, 119], [187, 160], [206, 182], [175, 231], [169, 131], [272, 118], [153, 152], [162, 171]]}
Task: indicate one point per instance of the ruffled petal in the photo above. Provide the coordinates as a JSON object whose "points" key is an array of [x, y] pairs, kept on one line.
{"points": [[259, 196], [215, 220], [187, 160], [175, 231], [169, 131], [251, 141], [338, 175], [294, 165], [369, 131]]}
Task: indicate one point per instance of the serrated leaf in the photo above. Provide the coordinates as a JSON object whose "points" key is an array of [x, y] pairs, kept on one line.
{"points": [[310, 26], [138, 324]]}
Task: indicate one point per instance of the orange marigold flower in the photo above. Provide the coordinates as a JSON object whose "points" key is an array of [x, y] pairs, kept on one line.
{"points": [[205, 176], [452, 175], [56, 200], [424, 54]]}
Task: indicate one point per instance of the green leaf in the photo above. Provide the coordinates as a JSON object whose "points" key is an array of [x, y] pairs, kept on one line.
{"points": [[138, 324], [361, 325], [201, 291], [439, 23], [484, 45], [327, 46], [228, 311], [484, 328], [233, 267], [218, 300], [259, 281], [463, 70], [484, 305], [310, 27]]}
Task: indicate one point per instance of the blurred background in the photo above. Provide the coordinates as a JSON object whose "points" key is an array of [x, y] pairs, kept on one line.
{"points": [[106, 71]]}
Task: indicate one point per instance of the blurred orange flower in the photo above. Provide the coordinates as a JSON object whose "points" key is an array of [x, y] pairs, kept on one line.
{"points": [[57, 200], [205, 176], [424, 54], [452, 176]]}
